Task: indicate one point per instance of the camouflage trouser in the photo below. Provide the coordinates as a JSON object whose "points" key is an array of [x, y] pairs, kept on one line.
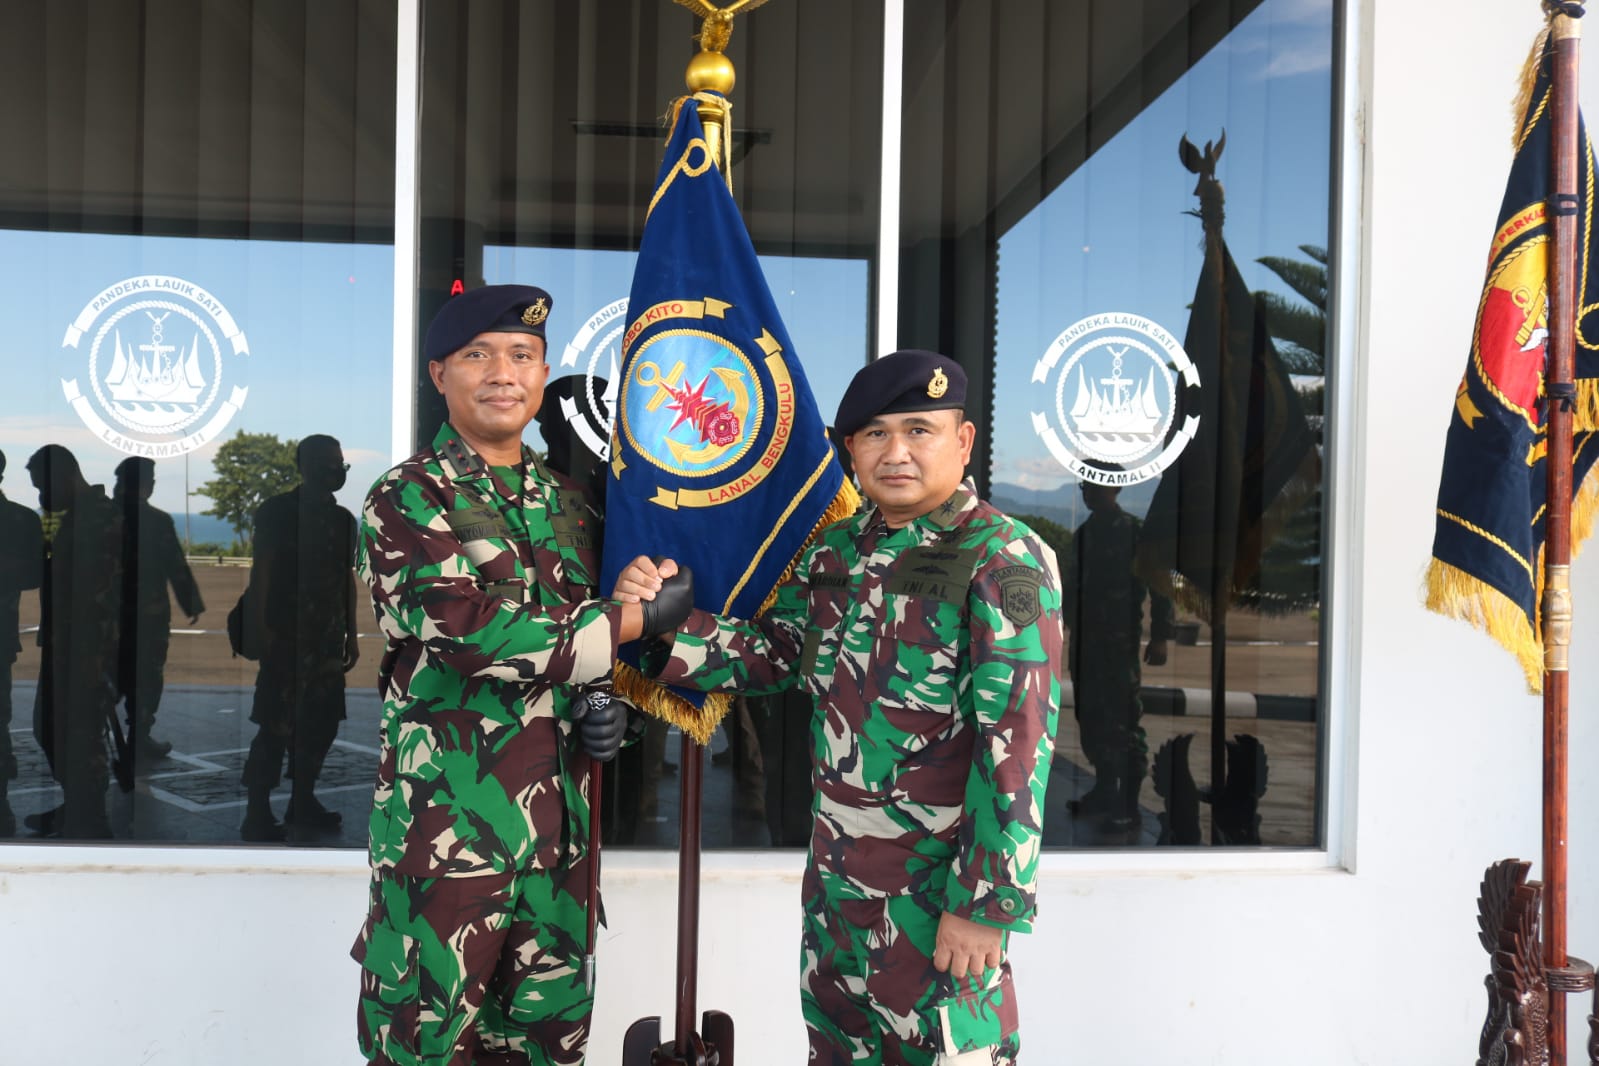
{"points": [[870, 994], [481, 969]]}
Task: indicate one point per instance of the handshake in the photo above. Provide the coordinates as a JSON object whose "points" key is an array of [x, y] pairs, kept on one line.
{"points": [[661, 588]]}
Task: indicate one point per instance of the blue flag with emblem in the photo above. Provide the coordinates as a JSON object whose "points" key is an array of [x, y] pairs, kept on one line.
{"points": [[719, 458], [1488, 544]]}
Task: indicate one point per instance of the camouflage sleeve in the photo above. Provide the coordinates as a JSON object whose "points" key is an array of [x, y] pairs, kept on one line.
{"points": [[756, 658], [1012, 698], [424, 588]]}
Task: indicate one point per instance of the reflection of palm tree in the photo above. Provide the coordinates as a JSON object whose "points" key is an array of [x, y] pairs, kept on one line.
{"points": [[1290, 571], [1299, 330]]}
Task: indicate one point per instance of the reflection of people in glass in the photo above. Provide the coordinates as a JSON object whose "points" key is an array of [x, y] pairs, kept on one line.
{"points": [[1103, 602], [21, 563], [152, 559], [79, 611], [302, 589], [482, 563]]}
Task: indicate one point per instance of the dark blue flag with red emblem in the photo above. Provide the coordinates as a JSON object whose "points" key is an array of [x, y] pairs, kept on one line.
{"points": [[719, 458], [1487, 554]]}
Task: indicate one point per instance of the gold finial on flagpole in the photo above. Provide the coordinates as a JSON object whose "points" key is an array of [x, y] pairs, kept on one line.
{"points": [[710, 71]]}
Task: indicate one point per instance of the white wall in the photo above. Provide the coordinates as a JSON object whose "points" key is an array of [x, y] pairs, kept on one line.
{"points": [[209, 958]]}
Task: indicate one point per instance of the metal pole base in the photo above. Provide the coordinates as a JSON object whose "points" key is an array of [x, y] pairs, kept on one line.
{"points": [[642, 1046]]}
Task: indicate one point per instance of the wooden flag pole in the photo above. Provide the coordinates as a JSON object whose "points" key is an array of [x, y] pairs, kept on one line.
{"points": [[1556, 606]]}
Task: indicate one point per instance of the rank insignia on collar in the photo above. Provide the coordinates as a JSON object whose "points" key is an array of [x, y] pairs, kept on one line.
{"points": [[537, 312], [939, 385]]}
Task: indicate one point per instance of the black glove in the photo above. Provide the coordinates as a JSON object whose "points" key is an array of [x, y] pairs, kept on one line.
{"points": [[671, 605], [601, 724]]}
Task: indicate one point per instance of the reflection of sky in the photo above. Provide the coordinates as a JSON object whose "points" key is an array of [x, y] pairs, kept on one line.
{"points": [[318, 318], [823, 303], [1115, 237]]}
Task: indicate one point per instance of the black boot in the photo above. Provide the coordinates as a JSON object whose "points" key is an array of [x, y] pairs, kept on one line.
{"points": [[307, 812], [1125, 817], [259, 826], [1099, 799]]}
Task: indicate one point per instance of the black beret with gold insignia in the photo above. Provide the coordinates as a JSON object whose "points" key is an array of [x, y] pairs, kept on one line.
{"points": [[909, 380], [491, 309]]}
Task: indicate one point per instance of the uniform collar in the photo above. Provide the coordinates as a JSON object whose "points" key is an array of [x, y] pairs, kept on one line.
{"points": [[945, 516], [465, 463]]}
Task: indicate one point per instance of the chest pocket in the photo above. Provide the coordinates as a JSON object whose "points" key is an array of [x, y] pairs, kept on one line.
{"points": [[485, 537], [574, 529], [924, 629], [828, 598]]}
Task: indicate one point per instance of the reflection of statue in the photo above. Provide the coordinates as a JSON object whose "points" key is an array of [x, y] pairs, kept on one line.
{"points": [[1174, 783], [303, 592], [1516, 1031], [152, 559], [21, 564]]}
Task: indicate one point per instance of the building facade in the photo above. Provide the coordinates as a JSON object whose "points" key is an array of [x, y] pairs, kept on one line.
{"points": [[228, 222]]}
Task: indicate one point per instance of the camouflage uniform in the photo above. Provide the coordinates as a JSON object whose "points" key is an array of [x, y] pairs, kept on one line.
{"points": [[472, 948], [932, 652], [1103, 607]]}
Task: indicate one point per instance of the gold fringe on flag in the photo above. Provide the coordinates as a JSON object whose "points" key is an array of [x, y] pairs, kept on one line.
{"points": [[659, 702], [1525, 84], [1585, 419], [1456, 594]]}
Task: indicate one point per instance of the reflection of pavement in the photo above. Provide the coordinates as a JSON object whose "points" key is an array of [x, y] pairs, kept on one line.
{"points": [[195, 795]]}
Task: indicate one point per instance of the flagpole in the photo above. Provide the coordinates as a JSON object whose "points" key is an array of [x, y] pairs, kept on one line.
{"points": [[1556, 607]]}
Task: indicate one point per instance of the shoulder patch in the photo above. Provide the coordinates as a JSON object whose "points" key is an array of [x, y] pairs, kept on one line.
{"points": [[1018, 594]]}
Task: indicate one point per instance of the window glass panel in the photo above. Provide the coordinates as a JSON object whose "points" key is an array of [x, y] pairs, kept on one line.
{"points": [[1055, 244], [539, 151], [197, 277]]}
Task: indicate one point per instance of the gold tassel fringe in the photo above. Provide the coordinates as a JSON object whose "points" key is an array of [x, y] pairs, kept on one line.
{"points": [[1524, 85], [659, 702], [1586, 417], [1456, 594]]}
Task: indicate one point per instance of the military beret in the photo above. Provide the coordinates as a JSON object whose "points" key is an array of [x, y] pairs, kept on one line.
{"points": [[491, 309], [910, 380]]}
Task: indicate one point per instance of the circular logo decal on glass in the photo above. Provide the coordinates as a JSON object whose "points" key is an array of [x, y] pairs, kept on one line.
{"points": [[1113, 380], [691, 402], [155, 366], [597, 348]]}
